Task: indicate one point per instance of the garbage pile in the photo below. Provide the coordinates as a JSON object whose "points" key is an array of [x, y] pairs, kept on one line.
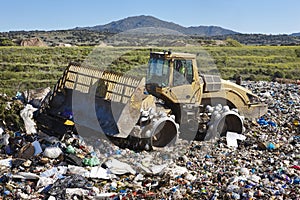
{"points": [[262, 163]]}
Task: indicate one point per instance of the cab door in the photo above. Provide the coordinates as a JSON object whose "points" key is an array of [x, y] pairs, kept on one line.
{"points": [[183, 88]]}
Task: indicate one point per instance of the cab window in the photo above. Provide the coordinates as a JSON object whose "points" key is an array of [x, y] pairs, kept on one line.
{"points": [[183, 72], [158, 71]]}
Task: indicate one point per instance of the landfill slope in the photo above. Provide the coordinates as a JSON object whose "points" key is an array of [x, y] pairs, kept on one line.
{"points": [[263, 164]]}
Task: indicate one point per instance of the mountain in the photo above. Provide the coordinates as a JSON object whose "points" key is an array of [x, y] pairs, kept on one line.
{"points": [[295, 34], [143, 21], [208, 31]]}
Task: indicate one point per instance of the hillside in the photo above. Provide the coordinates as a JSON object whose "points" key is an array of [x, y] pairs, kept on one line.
{"points": [[262, 39], [143, 21], [91, 38], [147, 31], [58, 37]]}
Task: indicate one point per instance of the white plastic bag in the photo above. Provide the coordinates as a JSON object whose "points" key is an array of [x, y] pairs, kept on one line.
{"points": [[52, 152], [27, 114]]}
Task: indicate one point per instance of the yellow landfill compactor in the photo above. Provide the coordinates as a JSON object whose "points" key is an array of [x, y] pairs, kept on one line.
{"points": [[171, 101]]}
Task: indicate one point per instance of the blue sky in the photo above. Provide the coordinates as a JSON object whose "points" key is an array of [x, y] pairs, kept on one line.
{"points": [[251, 16]]}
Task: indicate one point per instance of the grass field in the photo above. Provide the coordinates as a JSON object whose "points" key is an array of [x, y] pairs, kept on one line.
{"points": [[34, 67]]}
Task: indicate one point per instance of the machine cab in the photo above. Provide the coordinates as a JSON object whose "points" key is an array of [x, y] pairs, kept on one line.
{"points": [[173, 76]]}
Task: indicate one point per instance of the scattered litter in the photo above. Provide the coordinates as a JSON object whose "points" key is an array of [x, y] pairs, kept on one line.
{"points": [[1, 131], [117, 167], [264, 162], [37, 147], [93, 161], [99, 172], [26, 175], [4, 139], [52, 152], [6, 162], [231, 138], [27, 151], [27, 115]]}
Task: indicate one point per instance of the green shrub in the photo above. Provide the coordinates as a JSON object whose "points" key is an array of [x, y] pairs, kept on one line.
{"points": [[278, 74], [251, 78], [289, 76], [297, 51], [233, 43], [6, 42]]}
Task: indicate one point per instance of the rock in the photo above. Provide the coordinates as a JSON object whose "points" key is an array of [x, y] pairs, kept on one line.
{"points": [[33, 42]]}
